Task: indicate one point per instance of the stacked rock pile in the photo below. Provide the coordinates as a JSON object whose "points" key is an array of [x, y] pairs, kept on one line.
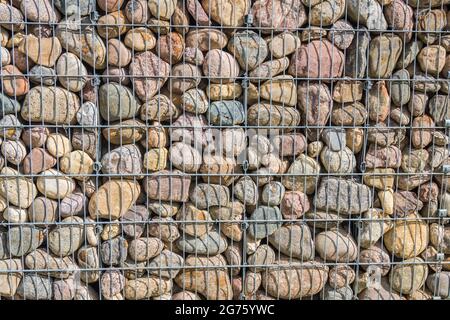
{"points": [[220, 149]]}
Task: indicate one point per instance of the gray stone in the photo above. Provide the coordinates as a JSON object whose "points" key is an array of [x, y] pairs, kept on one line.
{"points": [[43, 75], [205, 195], [260, 228], [114, 251], [368, 13], [124, 160], [246, 191], [400, 91], [272, 193], [167, 264], [249, 49], [294, 240], [334, 138], [87, 116], [75, 7], [8, 105], [23, 240], [356, 55], [35, 287], [439, 284], [117, 102], [226, 113], [332, 293], [210, 243], [439, 108], [343, 196]]}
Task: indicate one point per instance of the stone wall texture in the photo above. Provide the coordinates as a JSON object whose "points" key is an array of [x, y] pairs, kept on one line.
{"points": [[224, 149]]}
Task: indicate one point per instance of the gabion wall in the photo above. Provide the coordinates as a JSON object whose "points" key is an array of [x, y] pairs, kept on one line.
{"points": [[224, 149]]}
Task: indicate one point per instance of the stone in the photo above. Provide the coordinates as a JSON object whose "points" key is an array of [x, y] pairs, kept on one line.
{"points": [[248, 48], [186, 76], [155, 71], [439, 283], [54, 184], [292, 279], [143, 249], [269, 69], [409, 276], [23, 240], [420, 135], [337, 246], [160, 108], [378, 102], [389, 157], [368, 13], [167, 259], [430, 21], [333, 293], [326, 12], [113, 199], [155, 159], [432, 59], [210, 244], [379, 178], [193, 56], [87, 116], [71, 7], [342, 161], [78, 164], [167, 186], [220, 66], [68, 238], [43, 210], [140, 39], [308, 169], [407, 238], [209, 278], [341, 34], [341, 276], [201, 220], [206, 39], [18, 190], [400, 90], [78, 36], [146, 287], [272, 193], [39, 105], [43, 51], [356, 55], [73, 204], [13, 151], [35, 287], [162, 10], [72, 74], [353, 114], [347, 91], [117, 102], [170, 47], [409, 53], [278, 15], [86, 141], [57, 267], [124, 132], [266, 114], [205, 195], [112, 25], [384, 51], [438, 108], [195, 101], [8, 105], [260, 229], [137, 11], [11, 18], [226, 113], [226, 12], [343, 196], [118, 54], [294, 241], [399, 16], [375, 258], [264, 255], [280, 89], [15, 215], [125, 161], [14, 83], [306, 60], [114, 251], [40, 74]]}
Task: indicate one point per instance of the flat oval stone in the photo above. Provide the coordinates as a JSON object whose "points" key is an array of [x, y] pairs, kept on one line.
{"points": [[143, 249], [54, 184], [72, 74], [278, 15], [211, 243], [205, 195], [220, 66], [18, 190], [39, 103], [113, 199], [35, 287], [336, 246]]}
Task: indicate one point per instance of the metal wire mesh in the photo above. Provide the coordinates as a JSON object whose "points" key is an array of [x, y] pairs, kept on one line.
{"points": [[224, 149]]}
